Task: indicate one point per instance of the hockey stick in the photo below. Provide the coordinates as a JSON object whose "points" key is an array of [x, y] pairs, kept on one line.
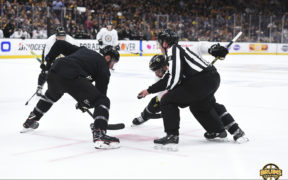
{"points": [[136, 53], [39, 60], [230, 43], [30, 99], [110, 126], [32, 52]]}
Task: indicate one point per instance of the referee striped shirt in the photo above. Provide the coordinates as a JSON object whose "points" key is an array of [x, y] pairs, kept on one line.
{"points": [[183, 63]]}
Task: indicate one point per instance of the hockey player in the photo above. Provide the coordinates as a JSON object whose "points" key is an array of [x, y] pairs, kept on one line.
{"points": [[59, 35], [190, 81], [108, 36], [159, 65], [74, 74]]}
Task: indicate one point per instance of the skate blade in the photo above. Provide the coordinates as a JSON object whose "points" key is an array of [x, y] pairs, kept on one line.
{"points": [[167, 147], [102, 145], [135, 125], [26, 130], [219, 140], [242, 140]]}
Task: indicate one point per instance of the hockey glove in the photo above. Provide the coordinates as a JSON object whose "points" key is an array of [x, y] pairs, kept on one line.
{"points": [[49, 62], [218, 51], [39, 90], [42, 78], [100, 42], [43, 67], [82, 107]]}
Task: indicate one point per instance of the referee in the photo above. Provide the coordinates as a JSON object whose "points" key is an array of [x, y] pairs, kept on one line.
{"points": [[192, 82]]}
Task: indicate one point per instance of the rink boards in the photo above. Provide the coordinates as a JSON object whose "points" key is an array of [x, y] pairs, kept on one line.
{"points": [[14, 48]]}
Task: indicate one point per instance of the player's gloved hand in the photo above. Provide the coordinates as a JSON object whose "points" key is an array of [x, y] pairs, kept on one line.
{"points": [[49, 62], [142, 94], [43, 67], [42, 78], [39, 90], [218, 51], [82, 107], [100, 42]]}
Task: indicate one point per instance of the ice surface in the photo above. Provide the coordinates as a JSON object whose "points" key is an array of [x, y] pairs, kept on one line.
{"points": [[254, 90]]}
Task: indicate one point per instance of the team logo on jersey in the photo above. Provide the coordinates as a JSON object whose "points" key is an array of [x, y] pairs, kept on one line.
{"points": [[270, 171], [108, 38]]}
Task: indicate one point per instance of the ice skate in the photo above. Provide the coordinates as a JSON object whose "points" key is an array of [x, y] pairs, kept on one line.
{"points": [[143, 118], [168, 143], [222, 136], [103, 141], [239, 136], [30, 124]]}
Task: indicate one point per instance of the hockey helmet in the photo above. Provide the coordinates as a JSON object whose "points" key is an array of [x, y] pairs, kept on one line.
{"points": [[169, 36], [110, 50], [109, 23], [157, 62], [60, 31]]}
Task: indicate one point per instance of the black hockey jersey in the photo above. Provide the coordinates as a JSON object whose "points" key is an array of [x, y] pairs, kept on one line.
{"points": [[83, 62]]}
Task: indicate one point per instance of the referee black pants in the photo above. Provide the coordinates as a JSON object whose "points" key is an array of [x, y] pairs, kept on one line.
{"points": [[196, 92]]}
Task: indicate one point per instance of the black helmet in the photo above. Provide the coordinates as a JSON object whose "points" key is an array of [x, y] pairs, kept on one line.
{"points": [[110, 50], [169, 36], [109, 23], [157, 62], [60, 31]]}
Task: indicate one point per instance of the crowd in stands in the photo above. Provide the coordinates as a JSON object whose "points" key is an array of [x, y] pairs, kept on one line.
{"points": [[208, 20]]}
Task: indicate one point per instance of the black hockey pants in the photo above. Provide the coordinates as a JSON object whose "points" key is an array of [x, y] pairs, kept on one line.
{"points": [[82, 90], [196, 92]]}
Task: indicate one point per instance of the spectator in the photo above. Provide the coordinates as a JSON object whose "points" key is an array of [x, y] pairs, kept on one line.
{"points": [[17, 34], [37, 34], [147, 35], [57, 5], [199, 20], [1, 34], [9, 29], [25, 34]]}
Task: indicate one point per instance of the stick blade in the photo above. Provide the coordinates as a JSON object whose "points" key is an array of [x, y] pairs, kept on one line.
{"points": [[116, 126]]}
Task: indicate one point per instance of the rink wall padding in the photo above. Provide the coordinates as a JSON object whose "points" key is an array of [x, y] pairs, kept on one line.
{"points": [[14, 48]]}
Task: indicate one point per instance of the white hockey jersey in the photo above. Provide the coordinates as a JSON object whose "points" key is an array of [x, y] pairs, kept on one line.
{"points": [[52, 39], [108, 37]]}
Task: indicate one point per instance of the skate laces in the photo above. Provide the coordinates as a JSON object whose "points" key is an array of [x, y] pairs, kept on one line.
{"points": [[140, 119], [97, 133]]}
